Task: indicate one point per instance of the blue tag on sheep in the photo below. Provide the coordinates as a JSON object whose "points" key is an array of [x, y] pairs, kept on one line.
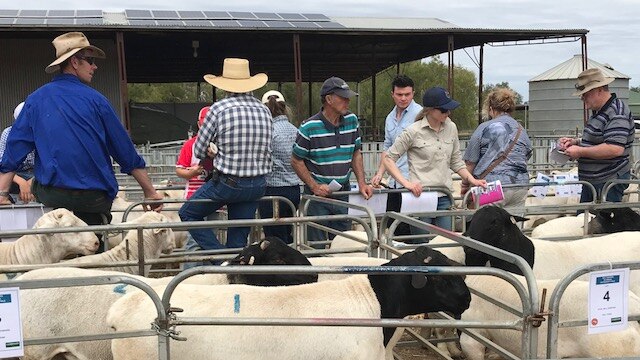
{"points": [[236, 303], [120, 289]]}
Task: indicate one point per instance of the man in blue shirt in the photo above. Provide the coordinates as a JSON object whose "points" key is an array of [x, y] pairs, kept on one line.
{"points": [[401, 116], [75, 133]]}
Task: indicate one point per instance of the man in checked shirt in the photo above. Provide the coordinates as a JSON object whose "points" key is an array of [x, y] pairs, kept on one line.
{"points": [[240, 127]]}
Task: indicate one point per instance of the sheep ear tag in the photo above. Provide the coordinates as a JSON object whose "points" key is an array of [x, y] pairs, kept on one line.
{"points": [[418, 281], [264, 244]]}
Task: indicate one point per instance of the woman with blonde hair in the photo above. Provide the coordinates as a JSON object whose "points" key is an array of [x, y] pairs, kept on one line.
{"points": [[500, 147], [433, 151]]}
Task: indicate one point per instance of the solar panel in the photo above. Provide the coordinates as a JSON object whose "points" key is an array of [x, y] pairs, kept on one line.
{"points": [[12, 13], [33, 13], [290, 16], [60, 22], [241, 15], [316, 17], [197, 22], [6, 21], [217, 15], [61, 13], [28, 21], [142, 22], [305, 24], [89, 21], [165, 14], [330, 25], [279, 24], [252, 23], [225, 23], [267, 16], [138, 14], [88, 13], [191, 14], [163, 22]]}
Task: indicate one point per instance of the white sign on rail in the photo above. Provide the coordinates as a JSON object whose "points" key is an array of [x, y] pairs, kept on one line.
{"points": [[11, 344], [608, 300]]}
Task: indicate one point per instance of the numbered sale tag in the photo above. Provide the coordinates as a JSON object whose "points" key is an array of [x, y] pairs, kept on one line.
{"points": [[608, 300], [11, 344]]}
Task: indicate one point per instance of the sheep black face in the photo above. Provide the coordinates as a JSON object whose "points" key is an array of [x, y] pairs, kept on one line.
{"points": [[608, 221], [496, 227], [402, 295], [270, 251]]}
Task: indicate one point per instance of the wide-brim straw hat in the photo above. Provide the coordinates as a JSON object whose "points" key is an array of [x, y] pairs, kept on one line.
{"points": [[236, 77], [68, 44], [591, 79]]}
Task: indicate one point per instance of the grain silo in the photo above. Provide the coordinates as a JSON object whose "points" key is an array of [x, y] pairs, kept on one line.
{"points": [[552, 109]]}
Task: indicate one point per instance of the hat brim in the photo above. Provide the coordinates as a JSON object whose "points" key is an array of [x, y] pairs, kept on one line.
{"points": [[55, 65], [238, 85], [344, 93], [594, 85], [450, 105]]}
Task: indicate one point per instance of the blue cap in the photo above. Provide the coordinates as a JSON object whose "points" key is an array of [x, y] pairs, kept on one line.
{"points": [[335, 85], [437, 97]]}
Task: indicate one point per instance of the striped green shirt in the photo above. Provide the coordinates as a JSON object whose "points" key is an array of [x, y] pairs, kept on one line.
{"points": [[327, 150]]}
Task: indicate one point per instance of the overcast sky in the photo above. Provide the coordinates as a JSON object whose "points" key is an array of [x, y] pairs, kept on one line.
{"points": [[614, 28]]}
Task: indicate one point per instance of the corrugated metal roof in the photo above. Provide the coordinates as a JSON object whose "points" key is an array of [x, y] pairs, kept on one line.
{"points": [[571, 68], [393, 23]]}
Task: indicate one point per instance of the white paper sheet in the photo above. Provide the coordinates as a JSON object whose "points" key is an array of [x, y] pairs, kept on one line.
{"points": [[334, 185], [377, 203], [428, 201], [540, 191], [11, 341], [563, 190], [556, 155], [608, 301]]}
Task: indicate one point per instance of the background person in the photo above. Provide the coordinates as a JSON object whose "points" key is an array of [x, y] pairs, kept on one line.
{"points": [[603, 152], [402, 115], [433, 151], [499, 148], [21, 184], [327, 149], [76, 133], [240, 126], [282, 180]]}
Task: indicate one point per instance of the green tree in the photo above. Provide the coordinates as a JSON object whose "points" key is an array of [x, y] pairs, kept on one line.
{"points": [[505, 84]]}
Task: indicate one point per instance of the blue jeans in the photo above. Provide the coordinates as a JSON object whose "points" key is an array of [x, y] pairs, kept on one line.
{"points": [[444, 203], [241, 200], [320, 209], [192, 245], [265, 208], [614, 195]]}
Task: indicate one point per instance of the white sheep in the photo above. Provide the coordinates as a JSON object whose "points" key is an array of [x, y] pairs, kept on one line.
{"points": [[573, 342], [354, 297], [180, 237], [49, 248], [561, 227], [156, 241], [343, 242]]}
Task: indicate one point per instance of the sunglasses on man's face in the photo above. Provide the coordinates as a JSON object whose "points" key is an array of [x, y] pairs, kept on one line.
{"points": [[90, 60]]}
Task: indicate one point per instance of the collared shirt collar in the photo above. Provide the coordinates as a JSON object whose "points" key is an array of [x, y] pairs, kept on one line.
{"points": [[328, 124]]}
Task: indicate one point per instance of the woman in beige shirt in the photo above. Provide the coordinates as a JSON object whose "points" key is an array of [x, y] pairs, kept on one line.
{"points": [[433, 151]]}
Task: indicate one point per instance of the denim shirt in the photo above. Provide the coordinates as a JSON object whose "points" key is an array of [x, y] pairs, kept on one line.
{"points": [[490, 140]]}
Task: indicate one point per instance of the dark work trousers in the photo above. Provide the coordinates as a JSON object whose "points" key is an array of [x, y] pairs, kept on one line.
{"points": [[92, 206], [394, 203], [265, 208]]}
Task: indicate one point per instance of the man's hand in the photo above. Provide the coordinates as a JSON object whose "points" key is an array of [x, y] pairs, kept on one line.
{"points": [[366, 191], [25, 192], [155, 207], [321, 190], [574, 152], [4, 200], [566, 142], [478, 182]]}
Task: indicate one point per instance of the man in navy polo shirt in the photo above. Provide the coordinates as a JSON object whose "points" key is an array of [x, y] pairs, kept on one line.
{"points": [[327, 150]]}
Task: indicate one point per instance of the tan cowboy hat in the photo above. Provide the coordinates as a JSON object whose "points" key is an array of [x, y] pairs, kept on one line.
{"points": [[590, 79], [236, 77], [68, 44]]}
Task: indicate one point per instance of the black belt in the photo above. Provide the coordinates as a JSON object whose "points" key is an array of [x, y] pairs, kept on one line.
{"points": [[226, 179]]}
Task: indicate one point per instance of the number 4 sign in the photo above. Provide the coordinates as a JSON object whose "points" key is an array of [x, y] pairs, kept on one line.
{"points": [[608, 300]]}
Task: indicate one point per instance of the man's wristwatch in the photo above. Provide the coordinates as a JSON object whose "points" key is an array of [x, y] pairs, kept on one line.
{"points": [[4, 193]]}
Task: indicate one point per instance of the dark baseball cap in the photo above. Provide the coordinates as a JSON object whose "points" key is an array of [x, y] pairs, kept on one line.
{"points": [[437, 97], [335, 85]]}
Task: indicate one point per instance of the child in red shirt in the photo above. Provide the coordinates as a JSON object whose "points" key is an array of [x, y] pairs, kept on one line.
{"points": [[190, 167]]}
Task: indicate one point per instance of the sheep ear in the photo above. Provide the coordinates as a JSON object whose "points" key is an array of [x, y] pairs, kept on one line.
{"points": [[418, 281], [514, 219], [158, 231], [252, 260], [264, 244], [427, 259]]}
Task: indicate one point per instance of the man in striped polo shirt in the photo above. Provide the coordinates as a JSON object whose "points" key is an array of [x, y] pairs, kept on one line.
{"points": [[326, 150], [603, 151]]}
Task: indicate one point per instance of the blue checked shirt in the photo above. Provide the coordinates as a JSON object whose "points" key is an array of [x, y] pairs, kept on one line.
{"points": [[284, 136], [27, 164], [241, 126]]}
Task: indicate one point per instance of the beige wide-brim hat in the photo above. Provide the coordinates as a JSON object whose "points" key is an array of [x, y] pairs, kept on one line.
{"points": [[590, 79], [68, 44], [236, 77]]}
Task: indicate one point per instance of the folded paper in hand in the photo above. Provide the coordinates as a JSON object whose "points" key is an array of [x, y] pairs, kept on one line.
{"points": [[556, 155], [493, 193]]}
